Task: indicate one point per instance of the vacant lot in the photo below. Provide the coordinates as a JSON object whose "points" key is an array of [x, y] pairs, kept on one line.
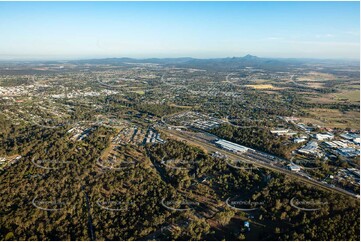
{"points": [[260, 81], [333, 118], [140, 92], [351, 96], [261, 86], [316, 76]]}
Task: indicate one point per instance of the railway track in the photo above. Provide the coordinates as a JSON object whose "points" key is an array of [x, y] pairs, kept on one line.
{"points": [[210, 147]]}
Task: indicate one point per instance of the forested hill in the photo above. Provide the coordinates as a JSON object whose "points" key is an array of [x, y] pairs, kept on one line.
{"points": [[220, 64]]}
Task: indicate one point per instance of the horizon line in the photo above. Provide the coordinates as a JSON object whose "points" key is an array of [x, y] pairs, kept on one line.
{"points": [[180, 57]]}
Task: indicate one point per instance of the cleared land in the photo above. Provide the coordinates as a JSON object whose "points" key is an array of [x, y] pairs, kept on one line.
{"points": [[332, 118], [316, 76], [261, 86], [351, 96], [140, 92]]}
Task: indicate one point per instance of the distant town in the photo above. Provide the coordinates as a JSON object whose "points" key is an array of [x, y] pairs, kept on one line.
{"points": [[179, 140]]}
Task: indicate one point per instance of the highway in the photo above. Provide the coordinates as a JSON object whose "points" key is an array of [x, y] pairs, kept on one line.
{"points": [[212, 148]]}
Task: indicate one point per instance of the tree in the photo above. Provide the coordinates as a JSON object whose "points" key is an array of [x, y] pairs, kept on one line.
{"points": [[224, 217], [9, 236]]}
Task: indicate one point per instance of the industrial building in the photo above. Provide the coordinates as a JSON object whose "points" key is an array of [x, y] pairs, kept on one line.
{"points": [[311, 148], [153, 136], [348, 152], [279, 131], [305, 127], [293, 167], [236, 148], [352, 137], [299, 140], [324, 136]]}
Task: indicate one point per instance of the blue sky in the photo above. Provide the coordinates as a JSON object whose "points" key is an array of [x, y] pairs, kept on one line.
{"points": [[56, 30]]}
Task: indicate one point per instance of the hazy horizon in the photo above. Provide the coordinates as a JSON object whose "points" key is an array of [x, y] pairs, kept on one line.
{"points": [[167, 57]]}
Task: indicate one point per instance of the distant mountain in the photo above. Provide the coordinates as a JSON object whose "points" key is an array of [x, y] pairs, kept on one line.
{"points": [[188, 62], [124, 60], [250, 57], [234, 63], [216, 64]]}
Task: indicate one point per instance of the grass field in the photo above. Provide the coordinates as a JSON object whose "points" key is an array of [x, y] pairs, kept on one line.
{"points": [[316, 76], [260, 81], [315, 84], [351, 96], [333, 118], [326, 98], [261, 86], [140, 92]]}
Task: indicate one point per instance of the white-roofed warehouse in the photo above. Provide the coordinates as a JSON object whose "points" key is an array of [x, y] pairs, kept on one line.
{"points": [[227, 145]]}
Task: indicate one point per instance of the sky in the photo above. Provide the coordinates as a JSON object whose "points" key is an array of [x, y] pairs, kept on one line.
{"points": [[78, 30]]}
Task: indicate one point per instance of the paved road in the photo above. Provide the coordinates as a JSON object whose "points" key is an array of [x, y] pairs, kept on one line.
{"points": [[210, 147]]}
